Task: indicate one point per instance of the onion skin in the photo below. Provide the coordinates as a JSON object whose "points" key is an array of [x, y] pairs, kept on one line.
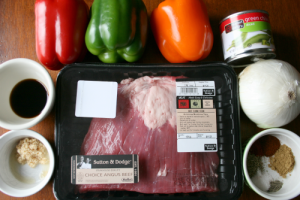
{"points": [[269, 93]]}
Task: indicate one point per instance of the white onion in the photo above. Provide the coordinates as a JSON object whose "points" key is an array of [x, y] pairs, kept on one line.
{"points": [[270, 93]]}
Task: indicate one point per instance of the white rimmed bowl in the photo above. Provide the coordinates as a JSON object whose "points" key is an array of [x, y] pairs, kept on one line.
{"points": [[11, 73], [259, 183], [19, 180]]}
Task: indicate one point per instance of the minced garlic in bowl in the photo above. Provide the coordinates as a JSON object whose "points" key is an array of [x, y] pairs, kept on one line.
{"points": [[32, 152]]}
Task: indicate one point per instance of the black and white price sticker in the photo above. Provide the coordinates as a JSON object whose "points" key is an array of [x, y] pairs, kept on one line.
{"points": [[195, 88], [196, 116]]}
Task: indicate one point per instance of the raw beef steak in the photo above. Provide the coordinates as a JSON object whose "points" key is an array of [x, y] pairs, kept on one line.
{"points": [[145, 124]]}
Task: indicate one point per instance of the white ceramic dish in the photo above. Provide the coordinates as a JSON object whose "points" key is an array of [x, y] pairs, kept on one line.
{"points": [[20, 180], [11, 73], [259, 183]]}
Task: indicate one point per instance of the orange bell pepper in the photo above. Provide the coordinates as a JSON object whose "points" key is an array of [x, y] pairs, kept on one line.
{"points": [[182, 30]]}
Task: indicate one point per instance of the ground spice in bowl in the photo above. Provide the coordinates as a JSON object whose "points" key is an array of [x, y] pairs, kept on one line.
{"points": [[270, 145], [253, 164], [283, 161], [265, 146], [275, 186], [256, 148]]}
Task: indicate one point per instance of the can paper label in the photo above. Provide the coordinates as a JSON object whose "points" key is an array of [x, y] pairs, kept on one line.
{"points": [[104, 169], [245, 32], [196, 116]]}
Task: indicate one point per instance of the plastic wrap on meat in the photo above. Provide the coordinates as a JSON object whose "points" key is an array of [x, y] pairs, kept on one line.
{"points": [[145, 124]]}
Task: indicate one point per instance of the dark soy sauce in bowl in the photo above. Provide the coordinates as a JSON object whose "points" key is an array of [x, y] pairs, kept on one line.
{"points": [[28, 98]]}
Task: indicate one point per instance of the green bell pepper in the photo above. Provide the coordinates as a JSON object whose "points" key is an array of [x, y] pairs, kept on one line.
{"points": [[117, 30]]}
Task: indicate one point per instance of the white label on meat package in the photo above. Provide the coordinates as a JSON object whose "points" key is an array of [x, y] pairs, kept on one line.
{"points": [[198, 88], [96, 99], [196, 116], [104, 169]]}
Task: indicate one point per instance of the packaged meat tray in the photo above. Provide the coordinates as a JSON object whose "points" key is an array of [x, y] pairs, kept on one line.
{"points": [[174, 163]]}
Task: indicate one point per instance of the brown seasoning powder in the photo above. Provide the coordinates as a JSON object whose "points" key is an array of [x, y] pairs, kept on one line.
{"points": [[283, 161]]}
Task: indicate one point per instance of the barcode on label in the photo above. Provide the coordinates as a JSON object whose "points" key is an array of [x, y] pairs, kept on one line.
{"points": [[188, 90]]}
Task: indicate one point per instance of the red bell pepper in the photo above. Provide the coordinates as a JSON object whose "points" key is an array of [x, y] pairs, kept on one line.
{"points": [[60, 27]]}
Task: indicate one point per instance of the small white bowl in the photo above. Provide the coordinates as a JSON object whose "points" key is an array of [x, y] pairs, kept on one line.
{"points": [[19, 180], [11, 73], [291, 184]]}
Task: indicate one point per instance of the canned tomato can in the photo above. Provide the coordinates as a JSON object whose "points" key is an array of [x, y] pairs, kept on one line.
{"points": [[247, 36]]}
